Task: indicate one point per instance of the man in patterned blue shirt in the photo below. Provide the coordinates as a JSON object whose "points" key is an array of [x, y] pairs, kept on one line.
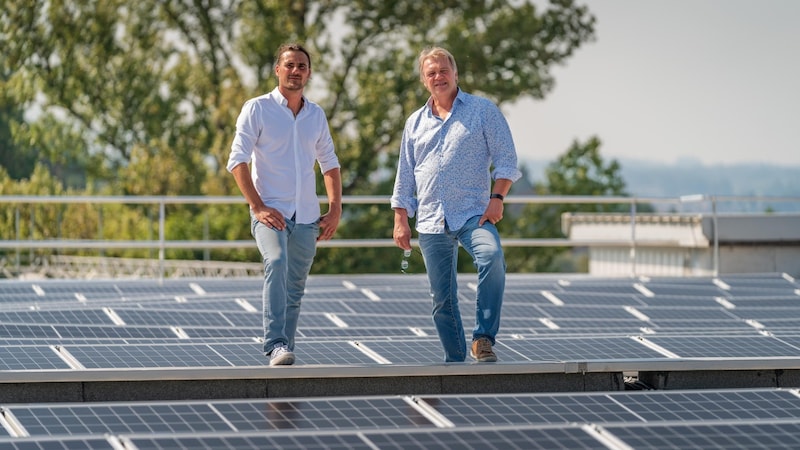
{"points": [[452, 148]]}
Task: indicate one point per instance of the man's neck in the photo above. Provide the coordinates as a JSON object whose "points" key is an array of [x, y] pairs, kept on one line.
{"points": [[442, 105], [294, 100]]}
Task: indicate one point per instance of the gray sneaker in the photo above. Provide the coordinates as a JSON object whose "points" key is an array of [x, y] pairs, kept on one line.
{"points": [[281, 356]]}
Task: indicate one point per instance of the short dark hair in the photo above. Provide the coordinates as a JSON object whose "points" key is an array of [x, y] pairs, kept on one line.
{"points": [[291, 47]]}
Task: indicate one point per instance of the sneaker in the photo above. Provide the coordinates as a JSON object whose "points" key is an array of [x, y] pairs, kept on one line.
{"points": [[281, 356], [481, 350]]}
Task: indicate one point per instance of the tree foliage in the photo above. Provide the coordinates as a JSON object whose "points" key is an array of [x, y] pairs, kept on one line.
{"points": [[142, 96], [580, 171]]}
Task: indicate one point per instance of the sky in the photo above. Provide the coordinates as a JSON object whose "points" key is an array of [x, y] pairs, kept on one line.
{"points": [[716, 82]]}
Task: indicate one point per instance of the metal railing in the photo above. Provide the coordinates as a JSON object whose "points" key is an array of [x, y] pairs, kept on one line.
{"points": [[707, 204]]}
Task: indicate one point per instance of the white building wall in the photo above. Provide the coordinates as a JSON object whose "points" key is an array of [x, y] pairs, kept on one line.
{"points": [[650, 261]]}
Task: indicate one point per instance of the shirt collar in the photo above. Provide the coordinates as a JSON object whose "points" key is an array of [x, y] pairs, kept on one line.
{"points": [[282, 100], [460, 96]]}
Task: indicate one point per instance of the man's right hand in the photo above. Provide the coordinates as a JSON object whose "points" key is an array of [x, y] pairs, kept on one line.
{"points": [[402, 231], [270, 217]]}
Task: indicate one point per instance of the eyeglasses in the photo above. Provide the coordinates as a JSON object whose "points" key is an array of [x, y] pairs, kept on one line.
{"points": [[404, 262]]}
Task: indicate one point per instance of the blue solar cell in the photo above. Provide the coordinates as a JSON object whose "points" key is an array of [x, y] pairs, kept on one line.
{"points": [[242, 441], [580, 348], [150, 356], [322, 414], [710, 436], [711, 405], [71, 420], [739, 346], [30, 358]]}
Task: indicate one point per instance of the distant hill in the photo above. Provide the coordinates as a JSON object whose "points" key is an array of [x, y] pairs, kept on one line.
{"points": [[688, 177]]}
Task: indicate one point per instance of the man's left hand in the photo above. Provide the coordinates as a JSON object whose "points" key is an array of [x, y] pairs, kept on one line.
{"points": [[493, 213], [328, 224]]}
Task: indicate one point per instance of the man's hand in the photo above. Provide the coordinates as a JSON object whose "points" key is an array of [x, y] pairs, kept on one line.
{"points": [[402, 231], [493, 213], [270, 217], [329, 222]]}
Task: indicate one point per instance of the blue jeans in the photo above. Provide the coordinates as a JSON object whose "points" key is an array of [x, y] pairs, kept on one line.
{"points": [[287, 257], [440, 252]]}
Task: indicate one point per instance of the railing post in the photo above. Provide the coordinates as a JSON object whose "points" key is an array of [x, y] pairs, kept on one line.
{"points": [[716, 235], [18, 231], [633, 237], [30, 252], [206, 237], [161, 239]]}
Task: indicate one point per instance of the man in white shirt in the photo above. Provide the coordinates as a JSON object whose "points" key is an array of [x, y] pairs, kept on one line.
{"points": [[279, 137]]}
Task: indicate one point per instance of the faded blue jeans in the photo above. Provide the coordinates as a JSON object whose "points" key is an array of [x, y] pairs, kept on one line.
{"points": [[440, 252], [287, 257]]}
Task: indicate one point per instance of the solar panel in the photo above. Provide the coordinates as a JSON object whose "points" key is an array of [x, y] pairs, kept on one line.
{"points": [[27, 331], [688, 314], [526, 409], [61, 443], [523, 297], [710, 436], [417, 351], [361, 413], [724, 405], [624, 327], [706, 346], [584, 312], [113, 331], [219, 333], [681, 301], [331, 353], [62, 317], [598, 287], [685, 290], [385, 320], [357, 332], [30, 358], [783, 313], [380, 320], [581, 348], [84, 419], [254, 441], [422, 308], [762, 302], [174, 317], [141, 356], [523, 438], [696, 327], [590, 299]]}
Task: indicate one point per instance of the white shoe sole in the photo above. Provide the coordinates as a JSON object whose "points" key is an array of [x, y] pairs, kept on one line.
{"points": [[489, 359], [286, 359]]}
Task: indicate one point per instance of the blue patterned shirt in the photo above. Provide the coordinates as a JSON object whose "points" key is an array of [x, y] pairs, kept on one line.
{"points": [[443, 175]]}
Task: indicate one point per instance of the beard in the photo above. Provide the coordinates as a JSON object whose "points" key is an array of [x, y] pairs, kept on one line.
{"points": [[294, 84]]}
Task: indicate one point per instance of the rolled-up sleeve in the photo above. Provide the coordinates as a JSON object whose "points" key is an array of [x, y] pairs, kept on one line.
{"points": [[244, 141], [501, 146], [326, 156], [404, 183]]}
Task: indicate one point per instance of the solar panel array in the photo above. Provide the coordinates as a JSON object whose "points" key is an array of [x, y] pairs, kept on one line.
{"points": [[386, 320], [73, 326], [714, 419]]}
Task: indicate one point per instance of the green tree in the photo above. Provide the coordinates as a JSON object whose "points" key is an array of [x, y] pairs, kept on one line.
{"points": [[581, 171], [153, 87]]}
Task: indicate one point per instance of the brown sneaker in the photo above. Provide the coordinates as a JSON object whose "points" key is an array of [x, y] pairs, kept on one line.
{"points": [[482, 350]]}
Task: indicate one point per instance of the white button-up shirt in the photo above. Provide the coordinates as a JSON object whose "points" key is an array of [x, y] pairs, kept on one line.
{"points": [[282, 149]]}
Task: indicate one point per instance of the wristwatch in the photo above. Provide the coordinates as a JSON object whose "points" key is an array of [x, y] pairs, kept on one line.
{"points": [[500, 196]]}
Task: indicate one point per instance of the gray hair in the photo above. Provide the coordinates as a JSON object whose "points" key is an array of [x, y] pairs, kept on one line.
{"points": [[435, 52]]}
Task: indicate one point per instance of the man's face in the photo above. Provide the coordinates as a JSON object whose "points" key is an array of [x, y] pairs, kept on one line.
{"points": [[293, 70], [438, 76]]}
